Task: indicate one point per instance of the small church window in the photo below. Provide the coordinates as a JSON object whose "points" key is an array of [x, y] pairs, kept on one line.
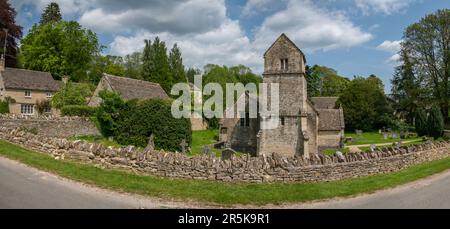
{"points": [[283, 121], [247, 119], [284, 64]]}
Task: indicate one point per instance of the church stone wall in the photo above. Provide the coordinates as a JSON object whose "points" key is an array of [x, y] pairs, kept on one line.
{"points": [[265, 168]]}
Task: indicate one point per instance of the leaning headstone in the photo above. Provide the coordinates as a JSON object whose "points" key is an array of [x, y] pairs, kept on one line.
{"points": [[227, 154], [385, 136], [340, 156], [372, 148], [183, 145], [151, 144]]}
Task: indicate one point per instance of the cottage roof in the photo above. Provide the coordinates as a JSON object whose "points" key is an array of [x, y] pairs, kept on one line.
{"points": [[331, 120], [324, 102], [14, 78], [135, 89]]}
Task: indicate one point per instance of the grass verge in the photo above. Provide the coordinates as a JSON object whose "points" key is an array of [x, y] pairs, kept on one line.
{"points": [[218, 192]]}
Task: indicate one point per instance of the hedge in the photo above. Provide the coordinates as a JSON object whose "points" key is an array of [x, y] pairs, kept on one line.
{"points": [[78, 110], [4, 107]]}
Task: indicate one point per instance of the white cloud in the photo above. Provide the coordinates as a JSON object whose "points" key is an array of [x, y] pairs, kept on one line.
{"points": [[390, 46], [382, 6], [312, 28], [226, 45]]}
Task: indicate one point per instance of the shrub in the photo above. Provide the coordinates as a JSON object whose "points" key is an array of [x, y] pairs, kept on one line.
{"points": [[72, 94], [78, 110], [4, 105], [108, 112], [140, 120], [43, 105], [421, 123], [435, 123]]}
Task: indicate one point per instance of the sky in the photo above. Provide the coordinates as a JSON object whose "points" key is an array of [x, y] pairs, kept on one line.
{"points": [[354, 37]]}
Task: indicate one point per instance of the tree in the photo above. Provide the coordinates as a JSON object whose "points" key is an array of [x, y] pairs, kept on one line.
{"points": [[51, 13], [406, 89], [109, 111], [61, 48], [176, 65], [72, 94], [106, 64], [435, 123], [365, 105], [324, 81], [191, 73], [428, 45], [8, 22], [421, 123], [156, 67], [133, 65]]}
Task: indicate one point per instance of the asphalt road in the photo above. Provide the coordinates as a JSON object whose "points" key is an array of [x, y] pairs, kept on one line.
{"points": [[25, 187]]}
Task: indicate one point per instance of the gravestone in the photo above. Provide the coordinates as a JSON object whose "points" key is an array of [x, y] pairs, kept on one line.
{"points": [[183, 145], [206, 150], [372, 148], [151, 144], [385, 136], [340, 156], [359, 132], [380, 131], [394, 136], [227, 154]]}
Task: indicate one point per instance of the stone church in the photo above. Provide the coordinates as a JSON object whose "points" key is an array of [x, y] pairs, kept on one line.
{"points": [[306, 125]]}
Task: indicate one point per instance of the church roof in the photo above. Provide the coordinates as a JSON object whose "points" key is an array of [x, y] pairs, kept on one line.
{"points": [[331, 120], [135, 89], [324, 102], [283, 36]]}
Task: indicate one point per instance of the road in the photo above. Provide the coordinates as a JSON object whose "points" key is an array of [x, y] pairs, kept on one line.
{"points": [[25, 187]]}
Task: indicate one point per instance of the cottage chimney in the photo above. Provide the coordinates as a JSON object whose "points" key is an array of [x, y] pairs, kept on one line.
{"points": [[2, 64]]}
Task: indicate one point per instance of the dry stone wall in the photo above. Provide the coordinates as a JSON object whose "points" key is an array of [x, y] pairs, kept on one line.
{"points": [[51, 126], [272, 168]]}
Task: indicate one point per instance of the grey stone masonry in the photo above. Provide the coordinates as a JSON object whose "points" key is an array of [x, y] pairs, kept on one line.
{"points": [[265, 168]]}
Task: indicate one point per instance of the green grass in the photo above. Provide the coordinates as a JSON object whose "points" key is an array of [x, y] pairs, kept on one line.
{"points": [[202, 138], [373, 138], [218, 192], [97, 139], [331, 152]]}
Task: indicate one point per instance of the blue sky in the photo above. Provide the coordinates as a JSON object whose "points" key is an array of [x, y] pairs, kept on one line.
{"points": [[355, 37]]}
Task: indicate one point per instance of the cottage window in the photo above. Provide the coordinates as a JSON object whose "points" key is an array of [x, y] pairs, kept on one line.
{"points": [[284, 64], [49, 94], [27, 109], [47, 110], [28, 94]]}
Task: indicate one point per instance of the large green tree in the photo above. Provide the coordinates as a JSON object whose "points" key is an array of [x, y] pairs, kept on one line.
{"points": [[176, 65], [156, 67], [14, 31], [106, 64], [428, 45], [61, 48], [365, 104], [133, 65], [51, 13], [324, 81]]}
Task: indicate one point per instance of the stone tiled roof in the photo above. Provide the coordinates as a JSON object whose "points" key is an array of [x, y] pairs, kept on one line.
{"points": [[135, 89], [324, 102], [331, 119], [14, 78]]}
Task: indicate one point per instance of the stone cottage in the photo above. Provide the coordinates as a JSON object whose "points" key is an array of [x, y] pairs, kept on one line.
{"points": [[305, 126], [27, 88], [128, 89]]}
